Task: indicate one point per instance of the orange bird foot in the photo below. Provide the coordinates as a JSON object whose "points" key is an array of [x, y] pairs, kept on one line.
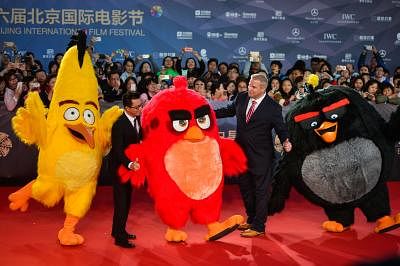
{"points": [[332, 226], [217, 230], [20, 199], [387, 223], [173, 235], [69, 238]]}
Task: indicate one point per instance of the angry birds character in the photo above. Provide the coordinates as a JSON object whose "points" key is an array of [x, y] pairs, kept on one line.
{"points": [[185, 160], [340, 160], [72, 138]]}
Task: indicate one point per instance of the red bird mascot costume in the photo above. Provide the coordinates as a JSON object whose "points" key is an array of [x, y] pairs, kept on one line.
{"points": [[184, 161]]}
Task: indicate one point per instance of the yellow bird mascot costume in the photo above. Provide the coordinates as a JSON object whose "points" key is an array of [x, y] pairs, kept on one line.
{"points": [[72, 140]]}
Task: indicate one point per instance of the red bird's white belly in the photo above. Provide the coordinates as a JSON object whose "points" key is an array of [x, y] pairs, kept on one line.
{"points": [[195, 167]]}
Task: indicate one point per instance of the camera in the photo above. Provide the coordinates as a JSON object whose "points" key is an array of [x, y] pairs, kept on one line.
{"points": [[254, 56]]}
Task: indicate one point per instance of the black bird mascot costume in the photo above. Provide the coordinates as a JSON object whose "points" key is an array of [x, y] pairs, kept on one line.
{"points": [[341, 159]]}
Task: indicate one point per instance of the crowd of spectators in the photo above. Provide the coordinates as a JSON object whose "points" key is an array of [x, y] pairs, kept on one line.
{"points": [[216, 81]]}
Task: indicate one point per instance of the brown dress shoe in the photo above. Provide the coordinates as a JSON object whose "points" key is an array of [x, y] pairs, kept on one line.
{"points": [[244, 226], [251, 233]]}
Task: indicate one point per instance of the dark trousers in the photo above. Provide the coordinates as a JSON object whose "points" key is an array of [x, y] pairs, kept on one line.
{"points": [[254, 190], [122, 203]]}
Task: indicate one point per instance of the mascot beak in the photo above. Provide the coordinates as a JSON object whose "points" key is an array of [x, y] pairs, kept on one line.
{"points": [[327, 131], [194, 134], [82, 134]]}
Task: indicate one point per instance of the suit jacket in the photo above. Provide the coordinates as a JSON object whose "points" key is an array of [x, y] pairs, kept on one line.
{"points": [[255, 137], [123, 134]]}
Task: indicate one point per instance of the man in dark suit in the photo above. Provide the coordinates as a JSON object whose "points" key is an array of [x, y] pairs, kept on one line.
{"points": [[125, 131], [257, 114]]}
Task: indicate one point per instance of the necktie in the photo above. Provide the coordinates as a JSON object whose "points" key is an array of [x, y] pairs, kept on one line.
{"points": [[135, 125], [251, 110]]}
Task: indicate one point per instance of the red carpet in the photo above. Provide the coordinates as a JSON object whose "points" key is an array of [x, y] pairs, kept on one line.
{"points": [[294, 237]]}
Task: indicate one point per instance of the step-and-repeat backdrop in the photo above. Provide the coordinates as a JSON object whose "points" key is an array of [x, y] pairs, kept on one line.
{"points": [[282, 30]]}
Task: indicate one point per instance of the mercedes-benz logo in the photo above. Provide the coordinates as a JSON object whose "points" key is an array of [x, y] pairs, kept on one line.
{"points": [[382, 53], [242, 50], [314, 12], [295, 32]]}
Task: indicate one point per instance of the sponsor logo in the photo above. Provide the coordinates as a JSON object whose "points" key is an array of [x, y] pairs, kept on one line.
{"points": [[348, 18], [397, 42], [278, 15], [303, 57], [184, 35], [202, 13], [382, 19], [49, 54], [164, 54], [295, 38], [364, 38], [366, 1], [348, 58], [213, 35], [248, 15], [242, 50], [329, 37], [260, 37], [231, 35], [314, 17], [396, 3], [232, 14], [277, 56], [156, 11]]}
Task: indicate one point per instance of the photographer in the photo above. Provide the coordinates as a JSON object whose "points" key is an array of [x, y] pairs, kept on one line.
{"points": [[375, 61], [15, 90], [253, 65]]}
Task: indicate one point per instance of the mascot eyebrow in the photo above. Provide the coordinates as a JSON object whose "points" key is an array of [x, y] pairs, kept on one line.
{"points": [[333, 106], [75, 102], [186, 115]]}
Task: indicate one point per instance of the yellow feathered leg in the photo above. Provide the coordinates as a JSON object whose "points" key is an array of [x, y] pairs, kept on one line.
{"points": [[20, 198], [66, 235]]}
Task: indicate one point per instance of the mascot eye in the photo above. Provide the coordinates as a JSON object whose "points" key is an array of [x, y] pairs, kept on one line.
{"points": [[71, 114], [314, 124], [88, 115], [203, 122], [334, 116], [180, 125]]}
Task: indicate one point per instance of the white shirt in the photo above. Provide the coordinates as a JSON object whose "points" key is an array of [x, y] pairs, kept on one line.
{"points": [[133, 121], [259, 100]]}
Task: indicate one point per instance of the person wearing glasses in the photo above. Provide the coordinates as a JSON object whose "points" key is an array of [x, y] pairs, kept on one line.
{"points": [[125, 131]]}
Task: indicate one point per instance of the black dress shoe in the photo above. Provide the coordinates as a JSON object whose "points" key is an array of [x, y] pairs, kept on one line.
{"points": [[123, 242], [126, 235]]}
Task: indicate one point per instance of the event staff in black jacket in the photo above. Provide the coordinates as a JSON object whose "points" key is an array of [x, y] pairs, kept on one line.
{"points": [[125, 131]]}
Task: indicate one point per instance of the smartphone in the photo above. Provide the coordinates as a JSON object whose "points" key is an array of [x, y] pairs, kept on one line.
{"points": [[164, 77], [368, 47], [340, 68], [97, 39], [133, 87], [254, 56], [184, 72], [188, 49], [145, 56], [9, 44]]}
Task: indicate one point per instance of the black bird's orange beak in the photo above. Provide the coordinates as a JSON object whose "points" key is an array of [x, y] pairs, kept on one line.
{"points": [[82, 134], [327, 131]]}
